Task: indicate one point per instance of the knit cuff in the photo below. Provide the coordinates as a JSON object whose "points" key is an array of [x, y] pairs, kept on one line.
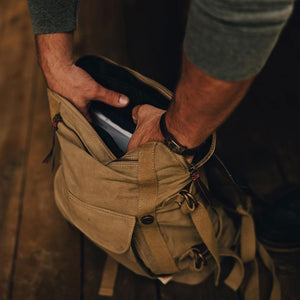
{"points": [[53, 16], [232, 45]]}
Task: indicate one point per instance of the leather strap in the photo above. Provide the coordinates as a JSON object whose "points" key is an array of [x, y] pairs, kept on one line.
{"points": [[176, 147]]}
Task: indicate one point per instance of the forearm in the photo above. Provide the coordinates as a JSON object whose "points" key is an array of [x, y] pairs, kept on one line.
{"points": [[54, 52], [226, 44], [201, 104]]}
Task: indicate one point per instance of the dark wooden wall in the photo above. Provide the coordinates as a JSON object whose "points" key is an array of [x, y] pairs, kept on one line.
{"points": [[41, 257]]}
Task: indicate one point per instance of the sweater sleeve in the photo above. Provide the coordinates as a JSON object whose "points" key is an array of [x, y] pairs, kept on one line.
{"points": [[232, 39], [49, 16]]}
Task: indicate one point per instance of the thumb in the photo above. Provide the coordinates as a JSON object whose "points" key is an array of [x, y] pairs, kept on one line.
{"points": [[135, 114], [110, 97]]}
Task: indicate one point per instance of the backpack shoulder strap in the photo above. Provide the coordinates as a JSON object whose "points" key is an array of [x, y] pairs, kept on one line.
{"points": [[206, 232], [109, 277], [148, 185]]}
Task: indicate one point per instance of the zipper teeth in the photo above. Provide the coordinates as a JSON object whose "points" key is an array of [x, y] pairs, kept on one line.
{"points": [[144, 79], [154, 84]]}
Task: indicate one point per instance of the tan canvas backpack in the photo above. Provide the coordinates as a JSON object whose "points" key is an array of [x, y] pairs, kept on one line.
{"points": [[149, 211]]}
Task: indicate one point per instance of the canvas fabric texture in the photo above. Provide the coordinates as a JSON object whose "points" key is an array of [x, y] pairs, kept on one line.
{"points": [[146, 212]]}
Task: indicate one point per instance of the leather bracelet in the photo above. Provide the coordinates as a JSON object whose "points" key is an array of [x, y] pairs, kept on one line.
{"points": [[174, 145]]}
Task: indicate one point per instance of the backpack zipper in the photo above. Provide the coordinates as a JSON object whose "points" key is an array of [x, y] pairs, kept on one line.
{"points": [[55, 121], [201, 188], [57, 118]]}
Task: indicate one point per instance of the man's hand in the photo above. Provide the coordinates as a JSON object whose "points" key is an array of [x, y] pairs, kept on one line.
{"points": [[201, 104], [147, 118], [68, 80]]}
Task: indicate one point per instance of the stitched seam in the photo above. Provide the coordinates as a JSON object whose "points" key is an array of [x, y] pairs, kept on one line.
{"points": [[100, 209]]}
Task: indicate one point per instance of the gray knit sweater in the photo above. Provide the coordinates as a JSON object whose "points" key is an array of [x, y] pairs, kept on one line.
{"points": [[227, 39]]}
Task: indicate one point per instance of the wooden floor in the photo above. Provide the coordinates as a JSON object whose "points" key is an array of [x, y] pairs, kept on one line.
{"points": [[41, 257]]}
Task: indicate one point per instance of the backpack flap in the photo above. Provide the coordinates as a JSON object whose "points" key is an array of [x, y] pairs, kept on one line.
{"points": [[109, 230]]}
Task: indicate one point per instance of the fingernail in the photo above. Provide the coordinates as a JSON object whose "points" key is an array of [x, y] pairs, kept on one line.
{"points": [[123, 100]]}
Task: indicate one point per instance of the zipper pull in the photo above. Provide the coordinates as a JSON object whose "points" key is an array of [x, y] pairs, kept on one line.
{"points": [[57, 118], [201, 188]]}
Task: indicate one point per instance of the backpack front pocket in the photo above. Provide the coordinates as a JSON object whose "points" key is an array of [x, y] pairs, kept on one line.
{"points": [[109, 230]]}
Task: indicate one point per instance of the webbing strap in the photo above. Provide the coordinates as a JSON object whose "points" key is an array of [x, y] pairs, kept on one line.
{"points": [[248, 253], [252, 288], [205, 230], [268, 262], [249, 245], [248, 237], [109, 276], [236, 276], [147, 203]]}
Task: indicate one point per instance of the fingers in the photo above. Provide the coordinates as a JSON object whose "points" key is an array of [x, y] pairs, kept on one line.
{"points": [[88, 89], [147, 119], [110, 97]]}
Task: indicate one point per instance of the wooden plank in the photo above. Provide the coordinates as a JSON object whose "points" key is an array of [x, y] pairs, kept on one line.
{"points": [[261, 137], [245, 146], [154, 37], [128, 285], [279, 99], [47, 253], [48, 256], [16, 66], [102, 31], [205, 290]]}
